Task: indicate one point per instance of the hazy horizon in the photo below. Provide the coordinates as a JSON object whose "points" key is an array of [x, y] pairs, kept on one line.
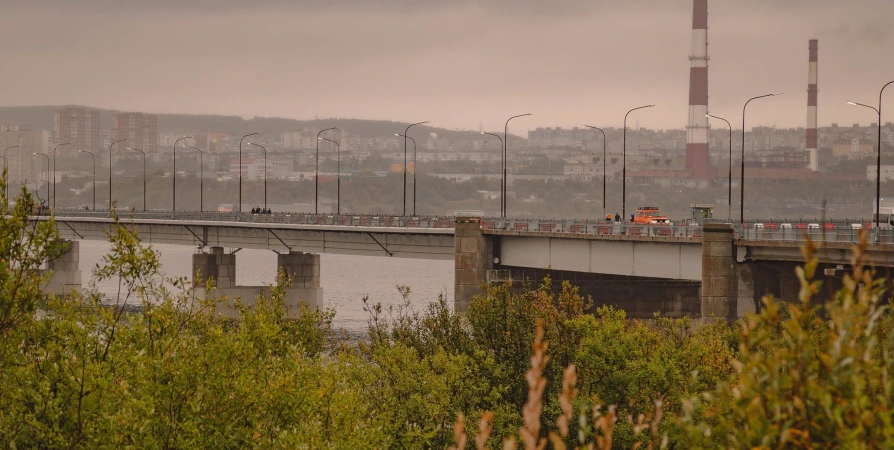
{"points": [[455, 64]]}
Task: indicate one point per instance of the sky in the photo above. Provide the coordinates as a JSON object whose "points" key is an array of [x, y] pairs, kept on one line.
{"points": [[456, 63]]}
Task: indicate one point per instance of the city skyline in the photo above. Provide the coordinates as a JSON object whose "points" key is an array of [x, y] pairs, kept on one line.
{"points": [[457, 65]]}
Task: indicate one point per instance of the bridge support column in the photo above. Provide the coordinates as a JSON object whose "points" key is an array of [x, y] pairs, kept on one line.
{"points": [[474, 254], [720, 277], [302, 268], [216, 265], [65, 271], [304, 271]]}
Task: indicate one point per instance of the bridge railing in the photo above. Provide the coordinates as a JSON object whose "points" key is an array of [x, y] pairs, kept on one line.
{"points": [[593, 227], [827, 231], [279, 217], [794, 230]]}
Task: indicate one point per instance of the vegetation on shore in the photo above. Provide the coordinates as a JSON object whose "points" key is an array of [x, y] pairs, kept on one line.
{"points": [[517, 370]]}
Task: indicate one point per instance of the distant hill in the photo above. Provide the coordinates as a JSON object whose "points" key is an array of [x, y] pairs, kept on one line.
{"points": [[41, 117]]}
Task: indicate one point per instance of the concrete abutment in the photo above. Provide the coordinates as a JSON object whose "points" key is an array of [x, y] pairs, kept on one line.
{"points": [[303, 269]]}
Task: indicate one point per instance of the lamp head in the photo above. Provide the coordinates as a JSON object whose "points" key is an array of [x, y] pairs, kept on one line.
{"points": [[852, 103]]}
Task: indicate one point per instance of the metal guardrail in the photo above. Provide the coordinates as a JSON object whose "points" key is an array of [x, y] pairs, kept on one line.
{"points": [[770, 230]]}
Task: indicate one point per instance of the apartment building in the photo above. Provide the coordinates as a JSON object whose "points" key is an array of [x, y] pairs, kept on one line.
{"points": [[79, 127], [140, 130]]}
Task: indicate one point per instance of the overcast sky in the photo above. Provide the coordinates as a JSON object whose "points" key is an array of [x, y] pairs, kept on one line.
{"points": [[456, 63]]}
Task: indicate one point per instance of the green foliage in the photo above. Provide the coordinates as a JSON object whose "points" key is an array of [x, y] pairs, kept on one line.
{"points": [[76, 372], [807, 377]]}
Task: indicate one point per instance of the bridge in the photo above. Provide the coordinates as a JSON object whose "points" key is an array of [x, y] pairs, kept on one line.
{"points": [[716, 269]]}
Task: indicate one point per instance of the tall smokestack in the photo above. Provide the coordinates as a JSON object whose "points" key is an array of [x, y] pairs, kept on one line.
{"points": [[812, 78], [697, 157]]}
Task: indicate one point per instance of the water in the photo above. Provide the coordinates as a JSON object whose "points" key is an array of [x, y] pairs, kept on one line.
{"points": [[345, 279]]}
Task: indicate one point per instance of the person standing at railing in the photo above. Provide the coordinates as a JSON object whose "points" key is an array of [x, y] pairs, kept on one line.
{"points": [[617, 217]]}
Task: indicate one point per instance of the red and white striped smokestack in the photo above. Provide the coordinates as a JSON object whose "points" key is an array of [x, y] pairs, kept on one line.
{"points": [[812, 78], [697, 157]]}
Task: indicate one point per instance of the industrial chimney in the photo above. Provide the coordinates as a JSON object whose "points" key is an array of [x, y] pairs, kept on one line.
{"points": [[812, 77], [697, 158]]}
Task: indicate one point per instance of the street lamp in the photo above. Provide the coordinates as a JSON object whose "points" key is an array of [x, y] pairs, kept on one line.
{"points": [[501, 162], [604, 173], [729, 183], [54, 173], [6, 161], [878, 160], [94, 175], [338, 176], [505, 148], [415, 167], [240, 168], [742, 172], [201, 178], [405, 166], [48, 176], [265, 171], [624, 164], [317, 171], [174, 175], [144, 174], [110, 170]]}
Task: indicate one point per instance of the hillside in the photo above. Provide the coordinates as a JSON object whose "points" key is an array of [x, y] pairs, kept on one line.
{"points": [[41, 117]]}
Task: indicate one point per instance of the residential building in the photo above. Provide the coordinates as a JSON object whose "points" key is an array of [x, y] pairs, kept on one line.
{"points": [[254, 169], [140, 130], [854, 148], [79, 127], [211, 142], [24, 165]]}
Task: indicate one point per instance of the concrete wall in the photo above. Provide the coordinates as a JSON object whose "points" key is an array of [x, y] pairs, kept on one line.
{"points": [[669, 259]]}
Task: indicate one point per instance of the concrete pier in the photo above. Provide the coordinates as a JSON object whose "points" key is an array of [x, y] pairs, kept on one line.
{"points": [[302, 268], [474, 257], [64, 269], [720, 274]]}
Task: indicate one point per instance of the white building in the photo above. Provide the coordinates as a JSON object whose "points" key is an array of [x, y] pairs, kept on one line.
{"points": [[887, 173], [254, 169]]}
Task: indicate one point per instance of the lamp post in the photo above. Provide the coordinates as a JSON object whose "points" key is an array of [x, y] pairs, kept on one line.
{"points": [[110, 170], [742, 170], [414, 170], [174, 174], [503, 195], [265, 171], [729, 182], [5, 172], [604, 172], [624, 164], [6, 162], [878, 160], [240, 168], [405, 165], [94, 175], [54, 173], [201, 178], [144, 173], [317, 172], [502, 161], [48, 176], [338, 176]]}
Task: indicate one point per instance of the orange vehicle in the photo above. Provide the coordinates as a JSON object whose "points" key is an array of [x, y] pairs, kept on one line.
{"points": [[648, 215]]}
